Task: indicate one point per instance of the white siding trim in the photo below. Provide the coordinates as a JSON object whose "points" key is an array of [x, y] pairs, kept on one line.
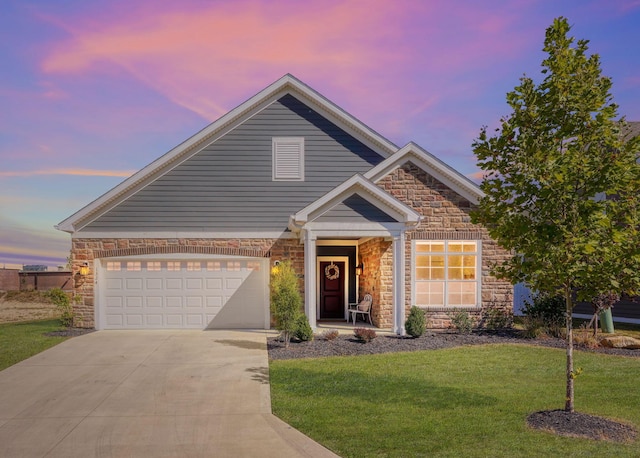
{"points": [[183, 235], [288, 158]]}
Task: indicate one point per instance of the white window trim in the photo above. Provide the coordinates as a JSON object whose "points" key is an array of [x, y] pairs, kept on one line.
{"points": [[275, 143], [447, 308]]}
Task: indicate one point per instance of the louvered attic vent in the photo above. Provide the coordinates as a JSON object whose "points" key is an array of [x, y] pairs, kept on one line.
{"points": [[288, 158]]}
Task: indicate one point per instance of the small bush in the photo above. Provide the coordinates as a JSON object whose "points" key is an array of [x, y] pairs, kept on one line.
{"points": [[498, 318], [416, 322], [62, 302], [364, 334], [550, 311], [303, 330], [330, 334], [585, 338], [462, 321], [533, 328]]}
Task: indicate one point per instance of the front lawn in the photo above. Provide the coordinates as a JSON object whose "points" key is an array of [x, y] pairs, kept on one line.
{"points": [[20, 341], [466, 401]]}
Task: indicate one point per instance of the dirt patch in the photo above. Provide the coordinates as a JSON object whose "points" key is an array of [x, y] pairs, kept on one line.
{"points": [[14, 311]]}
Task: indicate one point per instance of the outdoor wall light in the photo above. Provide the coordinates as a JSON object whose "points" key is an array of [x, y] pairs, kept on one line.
{"points": [[84, 269], [360, 268]]}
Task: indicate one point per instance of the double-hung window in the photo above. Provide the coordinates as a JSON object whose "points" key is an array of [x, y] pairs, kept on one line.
{"points": [[446, 273]]}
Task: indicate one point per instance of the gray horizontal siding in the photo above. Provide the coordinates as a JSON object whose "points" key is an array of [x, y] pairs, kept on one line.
{"points": [[355, 209], [228, 184]]}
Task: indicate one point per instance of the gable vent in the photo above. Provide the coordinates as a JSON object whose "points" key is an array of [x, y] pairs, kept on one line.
{"points": [[288, 158]]}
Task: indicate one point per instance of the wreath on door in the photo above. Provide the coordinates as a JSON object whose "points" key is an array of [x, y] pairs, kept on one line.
{"points": [[332, 272]]}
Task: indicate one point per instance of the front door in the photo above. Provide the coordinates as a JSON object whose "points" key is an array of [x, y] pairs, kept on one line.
{"points": [[332, 281]]}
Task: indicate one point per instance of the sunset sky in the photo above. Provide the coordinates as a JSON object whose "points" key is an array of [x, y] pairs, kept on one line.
{"points": [[92, 91]]}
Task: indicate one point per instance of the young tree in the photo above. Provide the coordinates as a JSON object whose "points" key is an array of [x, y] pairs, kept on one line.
{"points": [[547, 170], [286, 302]]}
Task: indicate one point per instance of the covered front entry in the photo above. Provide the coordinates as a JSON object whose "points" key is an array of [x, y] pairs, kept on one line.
{"points": [[333, 287]]}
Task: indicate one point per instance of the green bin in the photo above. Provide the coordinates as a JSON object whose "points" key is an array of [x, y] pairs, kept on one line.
{"points": [[606, 321]]}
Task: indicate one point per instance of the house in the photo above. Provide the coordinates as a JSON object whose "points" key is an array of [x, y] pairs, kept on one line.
{"points": [[188, 241]]}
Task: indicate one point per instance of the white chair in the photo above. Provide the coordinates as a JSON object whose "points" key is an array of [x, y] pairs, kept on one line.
{"points": [[363, 308]]}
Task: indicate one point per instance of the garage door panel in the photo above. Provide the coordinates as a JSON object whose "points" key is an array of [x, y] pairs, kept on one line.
{"points": [[134, 301], [133, 283], [195, 301], [186, 294], [194, 283], [214, 283], [155, 321], [154, 283], [114, 283], [134, 320], [174, 302], [174, 283], [154, 301]]}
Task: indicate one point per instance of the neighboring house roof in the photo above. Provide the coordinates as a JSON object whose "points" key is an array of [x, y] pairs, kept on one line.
{"points": [[431, 164], [631, 130], [288, 84]]}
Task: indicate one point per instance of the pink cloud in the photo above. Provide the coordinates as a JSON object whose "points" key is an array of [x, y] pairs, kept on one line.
{"points": [[205, 58], [78, 172]]}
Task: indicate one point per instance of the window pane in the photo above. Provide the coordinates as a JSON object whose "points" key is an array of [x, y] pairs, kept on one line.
{"points": [[469, 273], [437, 273], [470, 246], [455, 273], [423, 261], [437, 261], [455, 261], [455, 247], [469, 261], [422, 273]]}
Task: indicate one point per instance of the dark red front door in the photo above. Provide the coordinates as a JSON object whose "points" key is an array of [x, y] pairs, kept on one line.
{"points": [[332, 275]]}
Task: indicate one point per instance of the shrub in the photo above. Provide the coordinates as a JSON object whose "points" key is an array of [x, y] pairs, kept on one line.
{"points": [[330, 334], [548, 310], [303, 331], [364, 334], [533, 327], [286, 303], [416, 322], [497, 318], [62, 302], [462, 321]]}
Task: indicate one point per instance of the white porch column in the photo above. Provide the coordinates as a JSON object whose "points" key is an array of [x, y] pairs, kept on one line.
{"points": [[398, 284], [310, 277]]}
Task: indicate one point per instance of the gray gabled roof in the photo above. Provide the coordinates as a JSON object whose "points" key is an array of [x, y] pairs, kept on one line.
{"points": [[288, 84]]}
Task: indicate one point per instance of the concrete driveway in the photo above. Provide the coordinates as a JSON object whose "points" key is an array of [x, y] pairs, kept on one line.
{"points": [[147, 393]]}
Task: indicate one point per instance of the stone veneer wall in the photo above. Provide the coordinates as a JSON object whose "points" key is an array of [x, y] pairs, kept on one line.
{"points": [[377, 256], [87, 250], [446, 217]]}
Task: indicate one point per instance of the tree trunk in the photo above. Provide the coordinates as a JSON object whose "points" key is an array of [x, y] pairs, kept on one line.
{"points": [[568, 406]]}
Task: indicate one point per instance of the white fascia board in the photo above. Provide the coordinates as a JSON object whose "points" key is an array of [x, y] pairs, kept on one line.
{"points": [[430, 164], [287, 84], [184, 235], [352, 186]]}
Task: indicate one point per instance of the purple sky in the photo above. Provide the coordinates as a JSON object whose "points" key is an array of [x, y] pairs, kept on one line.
{"points": [[92, 91]]}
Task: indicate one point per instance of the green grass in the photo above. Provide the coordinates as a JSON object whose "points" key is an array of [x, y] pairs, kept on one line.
{"points": [[468, 401], [19, 341]]}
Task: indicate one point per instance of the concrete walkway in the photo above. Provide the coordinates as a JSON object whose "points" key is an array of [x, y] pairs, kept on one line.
{"points": [[147, 394]]}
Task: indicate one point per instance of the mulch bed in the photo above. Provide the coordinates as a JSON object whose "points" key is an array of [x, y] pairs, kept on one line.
{"points": [[347, 345], [69, 332], [572, 424]]}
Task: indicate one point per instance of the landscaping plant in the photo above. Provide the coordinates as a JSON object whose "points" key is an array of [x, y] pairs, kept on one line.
{"points": [[416, 322], [286, 302], [562, 184], [462, 321], [364, 334], [303, 332], [62, 301]]}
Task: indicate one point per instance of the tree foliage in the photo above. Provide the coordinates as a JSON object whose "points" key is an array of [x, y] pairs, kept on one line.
{"points": [[547, 169], [286, 302]]}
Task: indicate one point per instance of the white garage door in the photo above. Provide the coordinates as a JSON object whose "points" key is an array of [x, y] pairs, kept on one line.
{"points": [[183, 294]]}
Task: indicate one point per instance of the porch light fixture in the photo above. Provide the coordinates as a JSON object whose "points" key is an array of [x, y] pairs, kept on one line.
{"points": [[360, 268], [84, 269]]}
